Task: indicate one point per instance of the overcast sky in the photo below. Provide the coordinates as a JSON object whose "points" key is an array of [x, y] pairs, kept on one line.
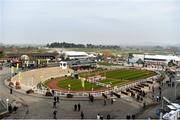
{"points": [[118, 22]]}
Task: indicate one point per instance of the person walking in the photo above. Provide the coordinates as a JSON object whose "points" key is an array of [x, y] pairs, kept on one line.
{"points": [[53, 92], [75, 107], [92, 98], [104, 102], [153, 89], [82, 115], [58, 99], [54, 104], [54, 98], [133, 116], [112, 101], [101, 116], [54, 113], [108, 116], [79, 107], [98, 116], [10, 109], [128, 117], [11, 90]]}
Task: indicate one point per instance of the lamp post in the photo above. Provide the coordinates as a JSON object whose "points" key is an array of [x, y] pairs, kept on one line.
{"points": [[92, 88], [69, 87], [7, 102]]}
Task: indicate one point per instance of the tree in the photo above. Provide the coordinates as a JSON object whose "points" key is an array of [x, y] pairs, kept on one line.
{"points": [[171, 63], [1, 54]]}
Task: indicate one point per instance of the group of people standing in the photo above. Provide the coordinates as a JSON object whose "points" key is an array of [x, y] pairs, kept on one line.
{"points": [[77, 107], [100, 116], [128, 117]]}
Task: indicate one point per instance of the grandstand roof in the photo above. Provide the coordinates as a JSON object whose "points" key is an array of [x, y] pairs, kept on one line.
{"points": [[74, 53], [166, 57]]}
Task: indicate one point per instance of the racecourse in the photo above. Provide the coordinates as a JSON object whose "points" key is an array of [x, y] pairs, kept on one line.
{"points": [[116, 77]]}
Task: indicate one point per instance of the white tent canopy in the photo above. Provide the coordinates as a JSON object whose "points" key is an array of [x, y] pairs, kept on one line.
{"points": [[171, 107], [170, 116]]}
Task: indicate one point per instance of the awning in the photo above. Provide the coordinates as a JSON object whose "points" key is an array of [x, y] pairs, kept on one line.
{"points": [[170, 116], [171, 107], [176, 105]]}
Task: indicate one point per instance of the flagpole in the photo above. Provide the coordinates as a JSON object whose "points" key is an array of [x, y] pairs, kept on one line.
{"points": [[17, 67]]}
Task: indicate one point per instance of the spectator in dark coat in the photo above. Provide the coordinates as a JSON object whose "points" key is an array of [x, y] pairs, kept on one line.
{"points": [[108, 116], [75, 107], [79, 107], [82, 115], [58, 99]]}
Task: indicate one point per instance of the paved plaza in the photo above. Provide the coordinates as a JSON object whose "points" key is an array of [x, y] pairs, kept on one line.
{"points": [[32, 107]]}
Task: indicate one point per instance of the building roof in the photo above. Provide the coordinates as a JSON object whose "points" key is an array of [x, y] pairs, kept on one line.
{"points": [[74, 53], [166, 57]]}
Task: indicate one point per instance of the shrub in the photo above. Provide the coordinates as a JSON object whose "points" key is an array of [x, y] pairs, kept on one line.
{"points": [[48, 93], [69, 96], [30, 91]]}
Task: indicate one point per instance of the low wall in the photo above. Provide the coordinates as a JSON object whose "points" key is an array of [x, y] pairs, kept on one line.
{"points": [[30, 79]]}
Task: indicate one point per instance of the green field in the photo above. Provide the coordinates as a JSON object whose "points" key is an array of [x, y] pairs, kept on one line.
{"points": [[120, 76], [76, 85], [129, 74], [116, 77]]}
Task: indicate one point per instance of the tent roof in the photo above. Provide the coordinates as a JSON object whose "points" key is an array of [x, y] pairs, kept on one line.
{"points": [[75, 53], [171, 107], [176, 105]]}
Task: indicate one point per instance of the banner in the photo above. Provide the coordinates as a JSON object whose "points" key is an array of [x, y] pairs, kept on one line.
{"points": [[17, 66], [12, 69], [19, 76], [82, 82], [39, 61], [27, 63]]}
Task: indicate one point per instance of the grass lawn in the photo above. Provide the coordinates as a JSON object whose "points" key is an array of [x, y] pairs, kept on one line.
{"points": [[121, 76], [115, 78], [129, 74], [76, 85]]}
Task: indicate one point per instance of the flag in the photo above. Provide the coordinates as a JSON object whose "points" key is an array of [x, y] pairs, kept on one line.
{"points": [[19, 76], [27, 63], [12, 69], [39, 61], [17, 66], [82, 82]]}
